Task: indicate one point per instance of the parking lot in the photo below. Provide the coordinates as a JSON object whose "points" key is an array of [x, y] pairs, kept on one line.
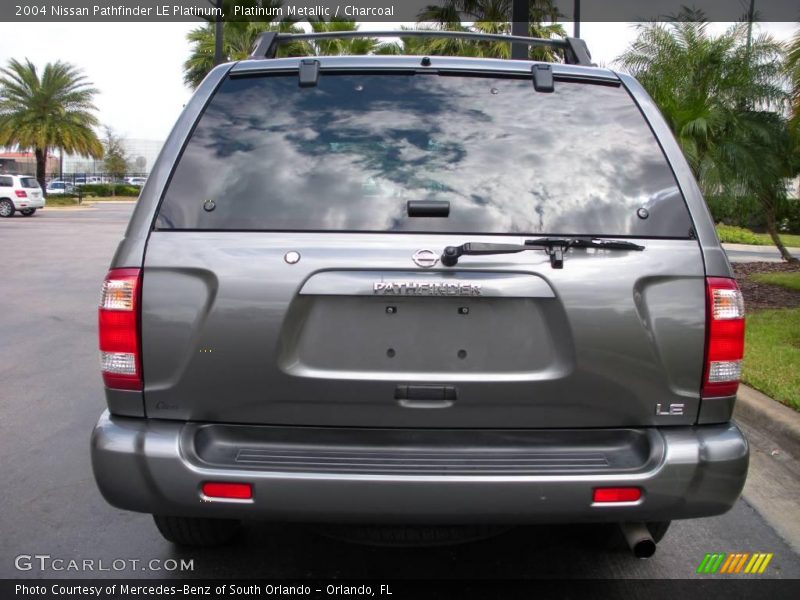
{"points": [[51, 395]]}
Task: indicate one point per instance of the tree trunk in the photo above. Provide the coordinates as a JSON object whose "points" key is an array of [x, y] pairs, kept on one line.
{"points": [[772, 228], [41, 167]]}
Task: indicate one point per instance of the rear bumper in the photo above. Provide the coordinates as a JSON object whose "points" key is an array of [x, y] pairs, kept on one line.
{"points": [[26, 203], [159, 467]]}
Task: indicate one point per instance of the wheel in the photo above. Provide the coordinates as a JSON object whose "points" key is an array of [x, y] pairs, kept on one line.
{"points": [[6, 208], [187, 531], [28, 212], [410, 535]]}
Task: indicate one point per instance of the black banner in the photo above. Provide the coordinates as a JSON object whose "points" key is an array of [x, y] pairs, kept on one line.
{"points": [[371, 10], [632, 589]]}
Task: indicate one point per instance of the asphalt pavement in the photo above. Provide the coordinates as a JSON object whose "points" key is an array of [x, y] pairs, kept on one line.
{"points": [[51, 395], [749, 253]]}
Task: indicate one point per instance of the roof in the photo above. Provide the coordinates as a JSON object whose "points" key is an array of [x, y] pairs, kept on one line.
{"points": [[410, 62], [22, 155]]}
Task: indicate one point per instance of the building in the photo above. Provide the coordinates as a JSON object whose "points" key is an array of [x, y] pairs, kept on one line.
{"points": [[141, 153], [25, 163]]}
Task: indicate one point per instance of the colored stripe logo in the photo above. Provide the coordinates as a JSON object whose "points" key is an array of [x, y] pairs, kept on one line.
{"points": [[753, 563]]}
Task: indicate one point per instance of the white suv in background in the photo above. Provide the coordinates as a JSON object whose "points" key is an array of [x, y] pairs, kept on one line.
{"points": [[20, 193]]}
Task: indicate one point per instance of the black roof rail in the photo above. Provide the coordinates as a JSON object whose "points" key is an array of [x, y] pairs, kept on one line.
{"points": [[575, 49]]}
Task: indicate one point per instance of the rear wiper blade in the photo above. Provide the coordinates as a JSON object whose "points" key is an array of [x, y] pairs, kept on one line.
{"points": [[554, 246]]}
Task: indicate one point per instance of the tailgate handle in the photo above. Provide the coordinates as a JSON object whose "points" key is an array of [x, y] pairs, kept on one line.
{"points": [[428, 208], [444, 394]]}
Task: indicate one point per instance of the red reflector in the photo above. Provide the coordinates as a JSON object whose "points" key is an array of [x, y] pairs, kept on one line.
{"points": [[21, 193], [237, 491], [619, 494]]}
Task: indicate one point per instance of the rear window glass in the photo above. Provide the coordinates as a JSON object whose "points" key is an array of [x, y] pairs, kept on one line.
{"points": [[29, 182], [349, 153]]}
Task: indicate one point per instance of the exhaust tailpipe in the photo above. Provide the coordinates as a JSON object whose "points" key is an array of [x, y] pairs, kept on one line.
{"points": [[639, 539]]}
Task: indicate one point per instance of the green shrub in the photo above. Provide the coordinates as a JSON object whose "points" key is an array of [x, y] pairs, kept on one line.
{"points": [[105, 189], [736, 235], [789, 216], [741, 212]]}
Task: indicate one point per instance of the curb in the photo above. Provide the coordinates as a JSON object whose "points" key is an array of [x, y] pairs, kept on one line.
{"points": [[770, 417], [757, 248], [76, 207]]}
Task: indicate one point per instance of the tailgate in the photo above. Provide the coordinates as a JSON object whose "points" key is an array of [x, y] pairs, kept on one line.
{"points": [[232, 332]]}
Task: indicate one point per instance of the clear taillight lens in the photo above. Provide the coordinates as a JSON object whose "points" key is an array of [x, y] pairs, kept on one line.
{"points": [[118, 327], [118, 294], [724, 338], [727, 304], [120, 363]]}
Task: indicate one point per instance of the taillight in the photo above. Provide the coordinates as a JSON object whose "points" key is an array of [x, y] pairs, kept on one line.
{"points": [[724, 337], [118, 325], [21, 193]]}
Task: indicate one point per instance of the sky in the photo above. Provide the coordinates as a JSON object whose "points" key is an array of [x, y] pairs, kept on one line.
{"points": [[137, 67]]}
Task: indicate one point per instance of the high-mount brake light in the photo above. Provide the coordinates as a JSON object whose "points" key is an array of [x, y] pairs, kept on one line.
{"points": [[724, 338], [118, 327]]}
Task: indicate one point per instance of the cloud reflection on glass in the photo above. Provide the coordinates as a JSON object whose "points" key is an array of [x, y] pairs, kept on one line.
{"points": [[274, 156]]}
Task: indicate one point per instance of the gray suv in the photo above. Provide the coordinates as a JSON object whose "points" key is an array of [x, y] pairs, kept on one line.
{"points": [[405, 291]]}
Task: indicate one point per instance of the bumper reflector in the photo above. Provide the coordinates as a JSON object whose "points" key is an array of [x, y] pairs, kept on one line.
{"points": [[234, 491], [617, 494]]}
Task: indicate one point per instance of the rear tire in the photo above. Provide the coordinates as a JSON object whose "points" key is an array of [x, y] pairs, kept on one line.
{"points": [[187, 531], [28, 212], [6, 208]]}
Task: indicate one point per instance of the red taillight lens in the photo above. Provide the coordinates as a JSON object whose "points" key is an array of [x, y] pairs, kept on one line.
{"points": [[617, 494], [724, 338], [118, 327], [234, 491], [21, 193]]}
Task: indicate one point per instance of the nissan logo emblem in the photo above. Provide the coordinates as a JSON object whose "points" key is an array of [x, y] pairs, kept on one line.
{"points": [[425, 258]]}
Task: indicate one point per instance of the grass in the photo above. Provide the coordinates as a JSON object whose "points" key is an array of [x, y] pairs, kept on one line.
{"points": [[739, 235], [789, 280], [68, 201], [60, 201], [772, 354]]}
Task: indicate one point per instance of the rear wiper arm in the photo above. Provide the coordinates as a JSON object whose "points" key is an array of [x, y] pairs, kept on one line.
{"points": [[554, 246]]}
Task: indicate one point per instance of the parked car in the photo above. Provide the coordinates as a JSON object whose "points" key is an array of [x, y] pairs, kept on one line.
{"points": [[136, 181], [411, 291], [20, 193], [59, 188], [86, 180]]}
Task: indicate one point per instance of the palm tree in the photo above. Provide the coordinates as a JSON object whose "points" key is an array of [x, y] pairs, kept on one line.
{"points": [[486, 16], [238, 40], [793, 71], [365, 45], [55, 110], [240, 36], [716, 94]]}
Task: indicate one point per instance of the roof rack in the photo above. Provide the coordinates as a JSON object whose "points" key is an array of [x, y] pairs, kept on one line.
{"points": [[575, 49]]}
